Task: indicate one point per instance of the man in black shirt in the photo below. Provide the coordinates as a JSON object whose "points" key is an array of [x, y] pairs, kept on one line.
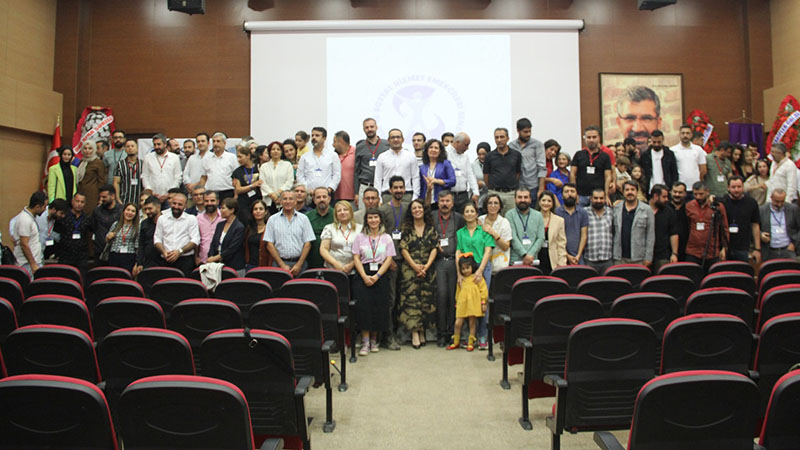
{"points": [[743, 222], [366, 159], [677, 203], [665, 249], [148, 255], [591, 168], [103, 217], [75, 229], [501, 170]]}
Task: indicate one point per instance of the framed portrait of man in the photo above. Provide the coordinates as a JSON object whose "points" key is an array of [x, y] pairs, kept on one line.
{"points": [[634, 105]]}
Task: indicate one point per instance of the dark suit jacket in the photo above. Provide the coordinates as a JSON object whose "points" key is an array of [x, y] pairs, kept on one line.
{"points": [[232, 246], [792, 213], [669, 166]]}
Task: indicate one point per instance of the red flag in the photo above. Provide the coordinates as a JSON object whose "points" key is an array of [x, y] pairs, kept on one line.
{"points": [[52, 157]]}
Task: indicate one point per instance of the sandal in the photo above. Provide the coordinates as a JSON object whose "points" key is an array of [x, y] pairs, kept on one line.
{"points": [[471, 344]]}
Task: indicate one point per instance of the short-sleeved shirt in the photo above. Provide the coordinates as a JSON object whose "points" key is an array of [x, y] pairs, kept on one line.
{"points": [[742, 214], [503, 169], [689, 160], [372, 250], [474, 243], [289, 236], [573, 223], [591, 172], [247, 177], [717, 176], [25, 225], [500, 258], [666, 227], [219, 170], [342, 239], [318, 223]]}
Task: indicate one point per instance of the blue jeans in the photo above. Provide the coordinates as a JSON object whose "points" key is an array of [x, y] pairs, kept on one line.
{"points": [[482, 328]]}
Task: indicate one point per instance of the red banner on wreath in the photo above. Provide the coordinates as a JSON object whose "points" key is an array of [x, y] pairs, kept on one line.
{"points": [[96, 123]]}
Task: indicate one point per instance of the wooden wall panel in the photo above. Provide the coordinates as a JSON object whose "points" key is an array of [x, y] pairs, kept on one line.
{"points": [[170, 72], [785, 15]]}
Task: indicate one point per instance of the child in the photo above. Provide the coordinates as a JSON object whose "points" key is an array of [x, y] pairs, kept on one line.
{"points": [[470, 301]]}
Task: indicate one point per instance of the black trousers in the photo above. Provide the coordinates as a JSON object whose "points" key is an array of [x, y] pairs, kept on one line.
{"points": [[185, 264]]}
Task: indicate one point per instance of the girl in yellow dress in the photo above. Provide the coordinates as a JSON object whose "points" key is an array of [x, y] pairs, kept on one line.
{"points": [[470, 301]]}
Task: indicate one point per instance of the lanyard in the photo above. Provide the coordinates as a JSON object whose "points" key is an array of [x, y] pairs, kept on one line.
{"points": [[592, 160], [50, 230], [76, 228], [374, 149], [525, 225], [133, 168], [374, 248], [346, 236], [396, 219], [780, 222], [444, 227], [125, 233], [161, 163], [716, 161], [249, 175]]}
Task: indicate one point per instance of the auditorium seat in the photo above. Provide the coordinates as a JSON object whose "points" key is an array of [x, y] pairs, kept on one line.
{"points": [[59, 286], [707, 342], [300, 323], [197, 318], [701, 409], [59, 271], [778, 278], [774, 265], [608, 361], [168, 292], [778, 300], [16, 273], [3, 372], [554, 317], [186, 412], [678, 286], [499, 301], [12, 292], [736, 280], [653, 308], [245, 292], [103, 272], [8, 319], [634, 273], [573, 275], [519, 322], [111, 287], [260, 363], [605, 289], [691, 270], [347, 305], [780, 430], [56, 310], [778, 350], [723, 300], [732, 266], [54, 412], [150, 275], [275, 276], [227, 274], [125, 312], [51, 350]]}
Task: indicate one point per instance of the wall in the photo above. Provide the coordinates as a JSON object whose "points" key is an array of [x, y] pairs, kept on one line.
{"points": [[785, 55], [28, 104]]}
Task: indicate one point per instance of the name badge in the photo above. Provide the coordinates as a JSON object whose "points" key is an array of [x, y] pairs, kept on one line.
{"points": [[76, 235], [124, 250], [590, 170], [444, 242], [700, 226], [778, 230], [49, 242], [373, 267], [544, 244], [396, 235], [733, 229], [526, 241], [373, 163], [251, 193], [134, 182], [720, 178], [516, 263]]}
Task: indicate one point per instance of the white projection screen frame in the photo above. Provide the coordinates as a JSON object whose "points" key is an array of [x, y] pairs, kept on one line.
{"points": [[416, 75]]}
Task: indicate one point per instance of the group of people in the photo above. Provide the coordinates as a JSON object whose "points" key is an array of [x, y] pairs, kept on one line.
{"points": [[420, 231]]}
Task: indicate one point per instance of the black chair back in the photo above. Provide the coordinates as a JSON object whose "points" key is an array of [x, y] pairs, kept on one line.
{"points": [[57, 310], [51, 350], [171, 291], [245, 292], [605, 289], [707, 342], [125, 312]]}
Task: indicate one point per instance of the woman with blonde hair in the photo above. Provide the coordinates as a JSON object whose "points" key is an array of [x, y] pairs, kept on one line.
{"points": [[91, 175], [336, 247]]}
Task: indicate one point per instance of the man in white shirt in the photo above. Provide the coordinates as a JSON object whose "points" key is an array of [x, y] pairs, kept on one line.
{"points": [[25, 233], [161, 170], [193, 171], [691, 160], [319, 167], [461, 158], [176, 236], [397, 161], [783, 173], [218, 168]]}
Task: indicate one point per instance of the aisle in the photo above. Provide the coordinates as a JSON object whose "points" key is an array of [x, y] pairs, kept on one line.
{"points": [[431, 398]]}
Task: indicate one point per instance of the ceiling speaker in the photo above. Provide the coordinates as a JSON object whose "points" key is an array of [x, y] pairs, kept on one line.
{"points": [[650, 5]]}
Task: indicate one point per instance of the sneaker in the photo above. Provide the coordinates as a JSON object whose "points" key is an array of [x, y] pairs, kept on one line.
{"points": [[364, 348], [373, 347], [483, 344]]}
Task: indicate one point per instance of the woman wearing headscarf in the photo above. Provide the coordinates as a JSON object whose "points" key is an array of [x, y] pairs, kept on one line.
{"points": [[62, 177], [91, 175]]}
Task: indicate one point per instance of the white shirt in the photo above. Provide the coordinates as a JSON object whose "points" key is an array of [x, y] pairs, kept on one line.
{"points": [[783, 176], [689, 160], [275, 178], [499, 257], [174, 233], [403, 163], [341, 245], [161, 173], [658, 171], [462, 165], [314, 171], [219, 171], [194, 168], [25, 225]]}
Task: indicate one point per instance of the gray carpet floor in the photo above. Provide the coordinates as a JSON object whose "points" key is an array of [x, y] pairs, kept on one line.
{"points": [[432, 399]]}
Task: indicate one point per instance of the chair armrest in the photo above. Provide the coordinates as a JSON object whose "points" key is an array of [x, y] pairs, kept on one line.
{"points": [[607, 441], [505, 318], [326, 347], [555, 381], [342, 320], [302, 385], [102, 386], [272, 444], [524, 343]]}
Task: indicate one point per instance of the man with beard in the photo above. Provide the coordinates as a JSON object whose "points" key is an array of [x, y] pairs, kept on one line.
{"points": [[527, 229], [418, 143], [600, 241], [659, 165], [781, 224], [634, 228], [207, 224], [446, 222], [397, 162], [198, 200], [366, 159], [161, 170], [148, 255], [320, 166], [591, 168], [502, 169], [629, 144], [576, 224], [719, 170], [104, 216], [175, 148], [320, 216], [705, 245], [665, 246], [75, 228], [392, 214], [193, 172], [639, 114], [218, 168], [102, 148], [534, 165], [371, 199], [128, 175], [113, 157], [744, 226], [28, 248], [691, 159], [782, 173], [177, 236], [188, 151]]}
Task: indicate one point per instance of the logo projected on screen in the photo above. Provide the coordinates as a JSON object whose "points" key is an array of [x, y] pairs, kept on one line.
{"points": [[420, 103]]}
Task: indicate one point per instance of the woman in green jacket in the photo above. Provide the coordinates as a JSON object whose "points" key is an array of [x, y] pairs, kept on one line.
{"points": [[62, 177]]}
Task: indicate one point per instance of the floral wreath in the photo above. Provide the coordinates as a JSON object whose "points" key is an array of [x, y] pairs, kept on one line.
{"points": [[789, 139], [699, 121]]}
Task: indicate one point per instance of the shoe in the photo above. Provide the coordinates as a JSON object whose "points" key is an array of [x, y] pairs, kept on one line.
{"points": [[373, 347], [392, 344], [483, 344], [364, 349], [471, 344], [454, 346]]}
